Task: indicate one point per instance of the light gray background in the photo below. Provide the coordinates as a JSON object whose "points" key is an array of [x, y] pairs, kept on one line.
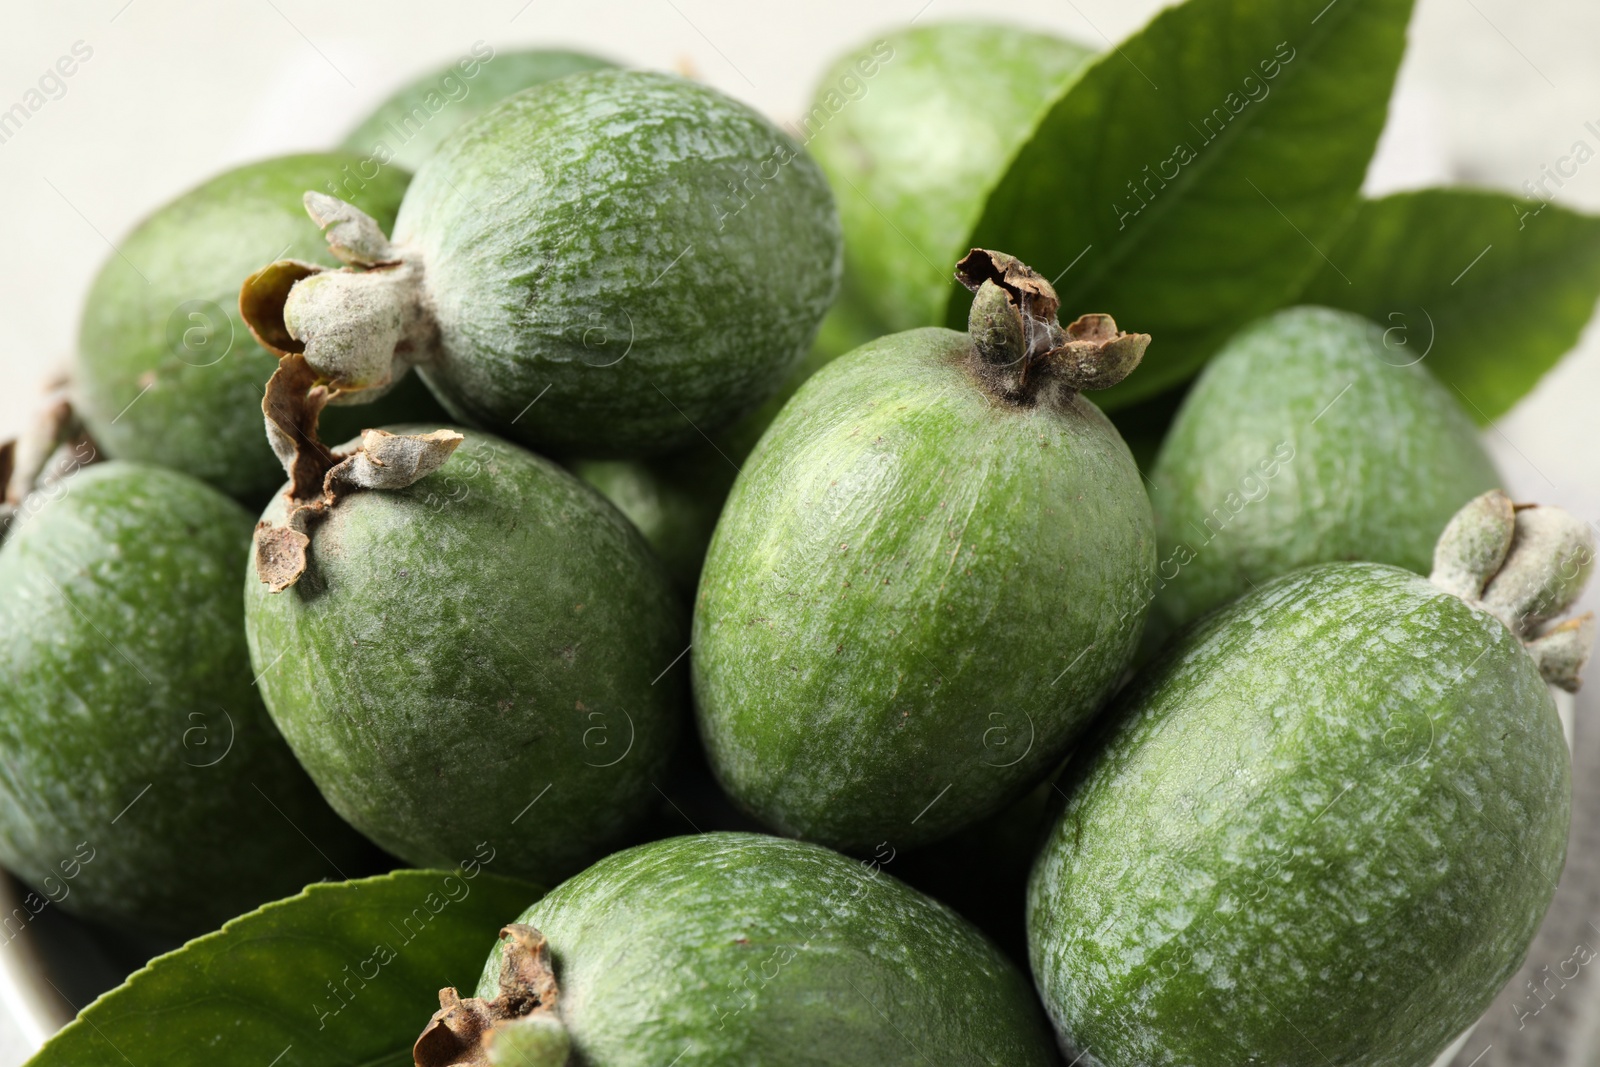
{"points": [[174, 92]]}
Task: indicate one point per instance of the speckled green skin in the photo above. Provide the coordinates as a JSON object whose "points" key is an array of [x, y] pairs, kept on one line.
{"points": [[1323, 829], [692, 484], [914, 154], [122, 649], [740, 949], [457, 647], [675, 500], [674, 503], [407, 127], [1382, 456], [584, 237], [202, 411], [908, 583]]}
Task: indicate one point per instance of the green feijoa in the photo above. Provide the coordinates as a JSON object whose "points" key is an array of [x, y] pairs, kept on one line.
{"points": [[141, 782], [408, 126], [1348, 783], [674, 501], [937, 79], [1308, 439], [701, 475], [728, 948], [476, 657], [927, 60], [914, 130], [928, 576], [166, 371], [607, 265]]}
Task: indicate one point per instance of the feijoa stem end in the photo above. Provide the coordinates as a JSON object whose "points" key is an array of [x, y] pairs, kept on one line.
{"points": [[340, 336], [53, 446], [360, 327], [1525, 565], [519, 1025], [1018, 344], [320, 477]]}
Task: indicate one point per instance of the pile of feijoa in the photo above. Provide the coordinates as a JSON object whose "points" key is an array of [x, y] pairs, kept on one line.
{"points": [[705, 532]]}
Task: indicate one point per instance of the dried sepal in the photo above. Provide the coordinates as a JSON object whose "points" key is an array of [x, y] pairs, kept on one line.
{"points": [[465, 1032], [55, 439], [353, 235], [1474, 545], [1545, 570], [387, 460], [320, 477], [261, 301], [54, 445], [279, 553], [340, 335], [1562, 651], [1019, 344], [1525, 565], [360, 327], [292, 406], [1033, 294], [1097, 355]]}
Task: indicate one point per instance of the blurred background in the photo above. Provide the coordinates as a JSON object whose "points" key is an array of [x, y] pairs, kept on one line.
{"points": [[171, 93]]}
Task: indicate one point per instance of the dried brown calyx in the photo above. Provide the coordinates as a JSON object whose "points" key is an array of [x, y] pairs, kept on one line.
{"points": [[360, 327], [519, 1025], [1525, 565], [320, 477], [340, 336], [53, 446], [1019, 346]]}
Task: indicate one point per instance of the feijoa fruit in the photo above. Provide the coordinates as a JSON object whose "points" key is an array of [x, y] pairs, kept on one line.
{"points": [[1310, 438], [609, 264], [480, 655], [143, 784], [166, 371], [726, 948], [1325, 825], [928, 576]]}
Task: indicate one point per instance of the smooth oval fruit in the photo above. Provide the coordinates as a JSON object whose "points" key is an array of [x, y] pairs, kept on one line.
{"points": [[740, 948], [608, 265], [1323, 828], [921, 589], [669, 265], [406, 128], [1308, 439], [166, 372], [913, 132], [143, 784], [476, 657]]}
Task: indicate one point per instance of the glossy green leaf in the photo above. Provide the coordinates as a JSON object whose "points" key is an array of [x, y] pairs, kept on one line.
{"points": [[344, 974], [1185, 182], [1488, 289]]}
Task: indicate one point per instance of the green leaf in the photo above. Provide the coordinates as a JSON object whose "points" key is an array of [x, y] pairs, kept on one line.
{"points": [[1185, 182], [343, 974], [1490, 290]]}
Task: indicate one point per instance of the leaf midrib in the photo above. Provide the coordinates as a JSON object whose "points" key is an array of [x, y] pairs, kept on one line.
{"points": [[1195, 172]]}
